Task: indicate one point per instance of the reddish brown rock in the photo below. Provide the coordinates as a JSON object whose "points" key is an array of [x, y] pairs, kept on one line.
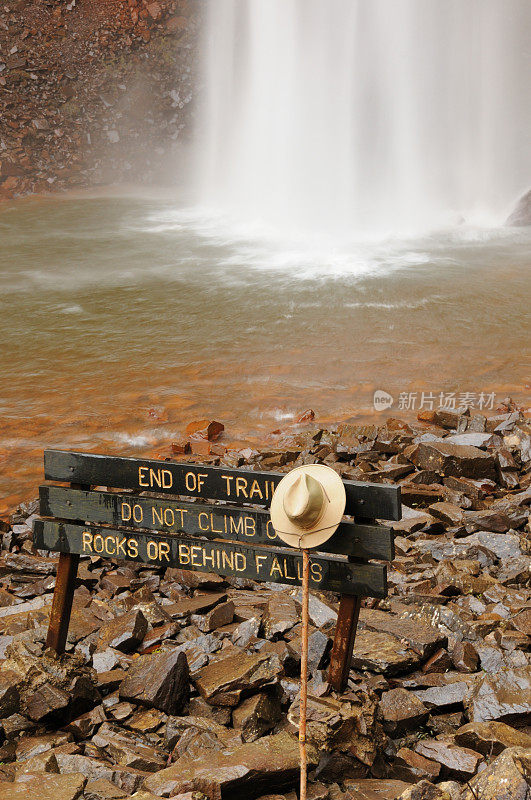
{"points": [[205, 429], [401, 711], [226, 681], [158, 680], [269, 764], [465, 657], [256, 716], [459, 763], [411, 766], [44, 787], [453, 460], [508, 777], [124, 632], [491, 738]]}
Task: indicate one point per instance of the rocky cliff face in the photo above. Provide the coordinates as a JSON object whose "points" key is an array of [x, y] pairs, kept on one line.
{"points": [[93, 92]]}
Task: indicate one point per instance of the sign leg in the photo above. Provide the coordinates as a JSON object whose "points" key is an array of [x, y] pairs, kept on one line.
{"points": [[304, 672], [62, 602], [347, 622]]}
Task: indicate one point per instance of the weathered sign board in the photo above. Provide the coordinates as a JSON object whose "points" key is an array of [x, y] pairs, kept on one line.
{"points": [[151, 523]]}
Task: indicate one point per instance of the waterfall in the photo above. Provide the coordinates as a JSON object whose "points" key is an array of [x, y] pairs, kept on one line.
{"points": [[351, 116]]}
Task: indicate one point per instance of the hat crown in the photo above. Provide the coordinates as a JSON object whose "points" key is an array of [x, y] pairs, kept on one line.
{"points": [[304, 501]]}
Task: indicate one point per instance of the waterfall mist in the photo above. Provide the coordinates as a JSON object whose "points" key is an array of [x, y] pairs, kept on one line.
{"points": [[362, 116]]}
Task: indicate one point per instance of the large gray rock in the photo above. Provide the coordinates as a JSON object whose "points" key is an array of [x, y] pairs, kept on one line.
{"points": [[44, 786], [227, 681], [504, 696], [508, 777], [267, 765], [454, 460], [159, 680], [520, 217]]}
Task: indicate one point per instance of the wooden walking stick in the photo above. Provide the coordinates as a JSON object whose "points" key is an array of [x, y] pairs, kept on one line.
{"points": [[304, 671], [306, 510]]}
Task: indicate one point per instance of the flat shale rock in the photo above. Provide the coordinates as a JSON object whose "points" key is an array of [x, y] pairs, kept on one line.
{"points": [[372, 788], [506, 778], [159, 680], [383, 653], [491, 738], [269, 764], [221, 614], [256, 716], [455, 460], [444, 698], [504, 696], [44, 787], [9, 694], [127, 750], [411, 766], [124, 632], [103, 790], [224, 682], [401, 711], [420, 637], [280, 615], [456, 762]]}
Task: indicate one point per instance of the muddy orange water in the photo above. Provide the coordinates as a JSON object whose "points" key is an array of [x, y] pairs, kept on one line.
{"points": [[124, 318]]}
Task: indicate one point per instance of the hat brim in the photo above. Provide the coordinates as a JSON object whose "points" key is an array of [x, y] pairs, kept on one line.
{"points": [[326, 525]]}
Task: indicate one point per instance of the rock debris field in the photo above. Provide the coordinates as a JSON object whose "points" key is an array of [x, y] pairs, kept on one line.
{"points": [[185, 684]]}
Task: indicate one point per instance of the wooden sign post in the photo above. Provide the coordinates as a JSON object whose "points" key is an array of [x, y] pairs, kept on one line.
{"points": [[235, 538]]}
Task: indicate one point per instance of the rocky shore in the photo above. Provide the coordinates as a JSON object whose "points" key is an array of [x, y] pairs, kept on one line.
{"points": [[93, 92], [184, 684]]}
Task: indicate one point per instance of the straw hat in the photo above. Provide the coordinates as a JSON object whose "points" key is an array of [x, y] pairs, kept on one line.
{"points": [[308, 505]]}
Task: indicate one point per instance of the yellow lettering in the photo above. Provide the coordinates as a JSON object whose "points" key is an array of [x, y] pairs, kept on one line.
{"points": [[270, 531], [99, 540], [138, 514], [195, 553], [152, 550], [241, 486], [214, 530], [240, 562], [156, 516], [203, 514], [87, 541], [288, 577], [169, 517], [209, 558], [142, 477], [275, 567], [108, 549], [125, 512], [200, 480], [184, 554], [120, 546], [228, 478], [250, 527], [132, 548], [164, 551], [154, 478], [236, 528], [182, 512], [227, 559], [255, 489], [190, 481], [316, 572], [259, 559], [167, 479]]}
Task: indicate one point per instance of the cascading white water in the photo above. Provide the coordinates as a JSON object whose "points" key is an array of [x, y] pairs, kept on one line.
{"points": [[366, 115]]}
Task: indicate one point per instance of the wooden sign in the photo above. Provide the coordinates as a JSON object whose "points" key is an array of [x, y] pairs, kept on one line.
{"points": [[277, 565], [151, 523], [208, 521], [368, 500]]}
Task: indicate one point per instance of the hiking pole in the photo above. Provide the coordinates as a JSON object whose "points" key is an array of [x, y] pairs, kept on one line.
{"points": [[304, 671]]}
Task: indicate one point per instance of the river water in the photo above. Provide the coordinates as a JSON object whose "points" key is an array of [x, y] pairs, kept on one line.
{"points": [[122, 318]]}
